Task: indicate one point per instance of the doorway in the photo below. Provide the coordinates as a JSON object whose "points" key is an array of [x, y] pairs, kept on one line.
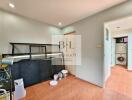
{"points": [[121, 51], [117, 45], [118, 56]]}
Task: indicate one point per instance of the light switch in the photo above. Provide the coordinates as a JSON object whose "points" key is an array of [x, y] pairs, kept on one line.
{"points": [[99, 46]]}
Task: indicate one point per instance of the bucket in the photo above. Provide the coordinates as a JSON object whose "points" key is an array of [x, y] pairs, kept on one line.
{"points": [[20, 92]]}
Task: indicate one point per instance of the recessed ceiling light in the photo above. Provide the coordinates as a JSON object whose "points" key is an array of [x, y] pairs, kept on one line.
{"points": [[60, 24], [11, 5]]}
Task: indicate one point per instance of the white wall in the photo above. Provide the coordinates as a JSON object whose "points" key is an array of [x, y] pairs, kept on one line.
{"points": [[121, 33], [113, 47], [107, 53], [91, 30], [15, 28], [130, 50]]}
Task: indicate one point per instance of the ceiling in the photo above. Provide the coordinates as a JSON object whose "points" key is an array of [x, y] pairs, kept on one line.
{"points": [[55, 11], [120, 24]]}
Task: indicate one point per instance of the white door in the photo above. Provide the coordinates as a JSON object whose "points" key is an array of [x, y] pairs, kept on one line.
{"points": [[107, 54]]}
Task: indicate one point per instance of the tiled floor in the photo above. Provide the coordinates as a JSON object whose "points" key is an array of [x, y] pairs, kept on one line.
{"points": [[118, 87], [120, 81]]}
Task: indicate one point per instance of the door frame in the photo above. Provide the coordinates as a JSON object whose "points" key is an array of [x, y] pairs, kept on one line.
{"points": [[105, 77], [107, 55]]}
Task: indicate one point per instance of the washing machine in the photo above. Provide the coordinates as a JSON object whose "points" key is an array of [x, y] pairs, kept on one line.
{"points": [[121, 59], [121, 47]]}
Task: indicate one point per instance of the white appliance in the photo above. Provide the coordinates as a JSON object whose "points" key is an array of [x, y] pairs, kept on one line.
{"points": [[121, 59], [121, 48], [121, 53], [19, 92]]}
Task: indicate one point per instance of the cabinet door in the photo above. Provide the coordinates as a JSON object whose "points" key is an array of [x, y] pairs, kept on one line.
{"points": [[29, 71], [45, 70]]}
